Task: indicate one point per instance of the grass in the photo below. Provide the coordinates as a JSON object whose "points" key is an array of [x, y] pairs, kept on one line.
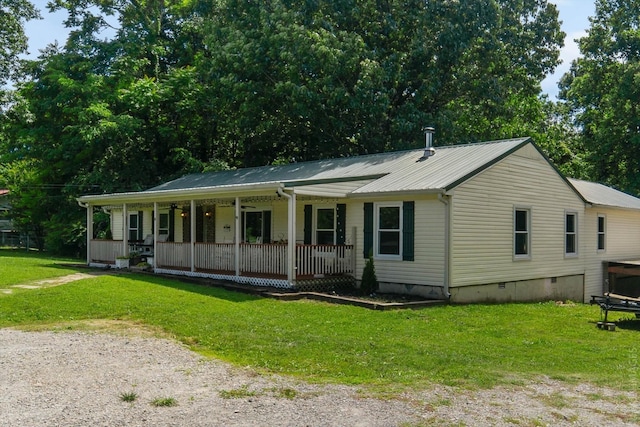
{"points": [[128, 397], [17, 267], [164, 401], [237, 393], [479, 345]]}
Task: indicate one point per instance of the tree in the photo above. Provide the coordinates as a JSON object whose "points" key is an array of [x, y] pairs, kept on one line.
{"points": [[13, 41], [603, 91], [334, 78]]}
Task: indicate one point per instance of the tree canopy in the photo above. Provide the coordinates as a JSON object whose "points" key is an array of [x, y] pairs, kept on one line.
{"points": [[147, 90], [603, 91], [13, 41]]}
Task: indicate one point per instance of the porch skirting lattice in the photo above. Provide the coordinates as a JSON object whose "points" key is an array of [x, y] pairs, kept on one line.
{"points": [[245, 280]]}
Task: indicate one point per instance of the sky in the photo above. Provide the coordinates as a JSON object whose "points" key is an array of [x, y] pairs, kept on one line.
{"points": [[573, 14]]}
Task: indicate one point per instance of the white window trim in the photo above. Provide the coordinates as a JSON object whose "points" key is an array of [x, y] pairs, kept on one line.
{"points": [[527, 256], [603, 233], [314, 238], [376, 230], [575, 234]]}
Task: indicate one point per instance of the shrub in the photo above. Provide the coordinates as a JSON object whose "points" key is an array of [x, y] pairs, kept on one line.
{"points": [[369, 283]]}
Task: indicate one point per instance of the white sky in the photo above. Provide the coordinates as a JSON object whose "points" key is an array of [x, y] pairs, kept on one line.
{"points": [[573, 14]]}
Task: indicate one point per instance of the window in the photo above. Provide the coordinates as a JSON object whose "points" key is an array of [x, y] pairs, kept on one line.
{"points": [[388, 220], [571, 233], [256, 226], [325, 226], [601, 232], [389, 230], [522, 234], [163, 225], [134, 226]]}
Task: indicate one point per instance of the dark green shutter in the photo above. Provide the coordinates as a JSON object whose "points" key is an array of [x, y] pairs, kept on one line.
{"points": [[266, 226], [172, 225], [341, 220], [199, 219], [368, 230], [140, 225], [308, 224], [408, 227]]}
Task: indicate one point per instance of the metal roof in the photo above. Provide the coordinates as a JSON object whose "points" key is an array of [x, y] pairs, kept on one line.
{"points": [[396, 171], [402, 171], [601, 195]]}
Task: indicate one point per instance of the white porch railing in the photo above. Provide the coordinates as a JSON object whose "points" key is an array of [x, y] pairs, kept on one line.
{"points": [[174, 255], [215, 257], [106, 250], [266, 259], [255, 259], [316, 260]]}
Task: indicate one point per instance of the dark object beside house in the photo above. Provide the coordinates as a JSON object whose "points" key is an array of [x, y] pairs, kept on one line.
{"points": [[614, 302]]}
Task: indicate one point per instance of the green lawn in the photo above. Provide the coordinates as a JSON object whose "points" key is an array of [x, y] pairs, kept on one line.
{"points": [[20, 266], [465, 345]]}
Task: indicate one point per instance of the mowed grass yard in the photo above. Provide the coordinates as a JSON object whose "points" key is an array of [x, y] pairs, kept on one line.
{"points": [[479, 345]]}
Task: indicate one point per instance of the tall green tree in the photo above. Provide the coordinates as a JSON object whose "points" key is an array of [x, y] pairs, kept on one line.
{"points": [[326, 78], [603, 90], [13, 41]]}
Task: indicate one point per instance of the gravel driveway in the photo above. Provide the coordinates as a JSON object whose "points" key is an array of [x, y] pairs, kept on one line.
{"points": [[78, 379]]}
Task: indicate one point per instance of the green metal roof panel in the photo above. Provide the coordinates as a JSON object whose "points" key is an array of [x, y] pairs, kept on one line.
{"points": [[447, 168], [598, 194], [396, 171]]}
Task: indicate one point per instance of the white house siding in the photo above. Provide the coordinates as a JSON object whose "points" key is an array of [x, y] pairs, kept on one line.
{"points": [[622, 242], [426, 274], [279, 218], [117, 224], [482, 224], [147, 222], [225, 224]]}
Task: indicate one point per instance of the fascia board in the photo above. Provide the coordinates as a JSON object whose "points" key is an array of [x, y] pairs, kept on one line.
{"points": [[181, 194]]}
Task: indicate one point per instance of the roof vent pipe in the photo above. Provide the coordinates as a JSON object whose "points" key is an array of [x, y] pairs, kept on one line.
{"points": [[429, 150]]}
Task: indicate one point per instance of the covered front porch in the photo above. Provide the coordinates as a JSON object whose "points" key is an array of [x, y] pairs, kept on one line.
{"points": [[268, 238]]}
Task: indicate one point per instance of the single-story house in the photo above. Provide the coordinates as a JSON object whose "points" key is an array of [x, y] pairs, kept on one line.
{"points": [[493, 221]]}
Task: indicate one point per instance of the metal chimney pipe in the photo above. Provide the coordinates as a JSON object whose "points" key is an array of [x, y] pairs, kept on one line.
{"points": [[429, 150]]}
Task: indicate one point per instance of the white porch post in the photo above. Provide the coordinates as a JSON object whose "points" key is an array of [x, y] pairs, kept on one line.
{"points": [[89, 231], [238, 236], [291, 250], [125, 227], [156, 231], [192, 233]]}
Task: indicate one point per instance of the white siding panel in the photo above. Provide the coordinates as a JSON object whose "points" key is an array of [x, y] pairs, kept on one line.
{"points": [[622, 243], [429, 257], [279, 218], [116, 224], [225, 217], [147, 222], [482, 228]]}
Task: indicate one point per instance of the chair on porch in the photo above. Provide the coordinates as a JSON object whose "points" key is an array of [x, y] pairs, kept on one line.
{"points": [[146, 247]]}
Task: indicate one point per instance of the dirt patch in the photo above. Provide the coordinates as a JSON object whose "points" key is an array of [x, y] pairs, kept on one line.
{"points": [[55, 281], [71, 378]]}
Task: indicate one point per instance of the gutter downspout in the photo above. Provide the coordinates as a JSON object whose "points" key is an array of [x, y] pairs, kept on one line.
{"points": [[445, 199], [291, 246], [238, 236], [192, 233]]}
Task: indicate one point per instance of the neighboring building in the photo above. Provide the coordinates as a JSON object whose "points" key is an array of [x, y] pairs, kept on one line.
{"points": [[494, 221], [8, 235]]}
